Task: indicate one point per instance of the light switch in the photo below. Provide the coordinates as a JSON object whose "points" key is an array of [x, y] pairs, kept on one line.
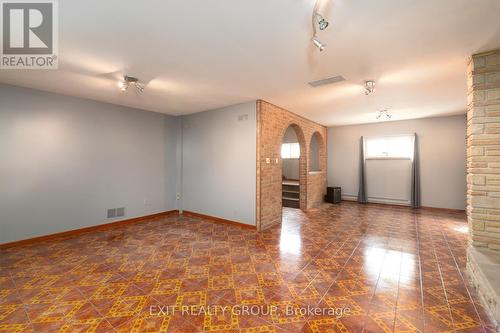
{"points": [[268, 160]]}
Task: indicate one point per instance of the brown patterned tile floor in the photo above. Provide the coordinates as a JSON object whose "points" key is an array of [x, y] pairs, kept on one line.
{"points": [[339, 268]]}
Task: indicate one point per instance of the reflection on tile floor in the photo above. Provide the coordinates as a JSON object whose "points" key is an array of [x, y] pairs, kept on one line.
{"points": [[356, 268]]}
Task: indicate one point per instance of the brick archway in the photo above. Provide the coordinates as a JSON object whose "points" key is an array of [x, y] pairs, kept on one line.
{"points": [[272, 123], [304, 156]]}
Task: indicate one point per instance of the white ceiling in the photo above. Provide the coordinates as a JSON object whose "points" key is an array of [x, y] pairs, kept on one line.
{"points": [[199, 55]]}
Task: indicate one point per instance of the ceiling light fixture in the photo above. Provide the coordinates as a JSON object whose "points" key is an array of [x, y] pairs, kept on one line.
{"points": [[322, 23], [128, 81], [318, 44], [384, 112], [369, 87]]}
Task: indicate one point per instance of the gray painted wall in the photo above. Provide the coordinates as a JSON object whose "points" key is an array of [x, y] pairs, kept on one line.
{"points": [[64, 160], [219, 163], [442, 161]]}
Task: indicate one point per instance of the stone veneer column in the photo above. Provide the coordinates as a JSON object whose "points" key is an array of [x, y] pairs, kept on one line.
{"points": [[483, 150]]}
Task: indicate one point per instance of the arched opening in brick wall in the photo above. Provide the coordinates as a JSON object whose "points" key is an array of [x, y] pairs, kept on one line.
{"points": [[316, 170], [293, 159], [315, 150]]}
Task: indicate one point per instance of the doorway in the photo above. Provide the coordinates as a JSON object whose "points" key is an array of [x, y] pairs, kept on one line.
{"points": [[290, 156]]}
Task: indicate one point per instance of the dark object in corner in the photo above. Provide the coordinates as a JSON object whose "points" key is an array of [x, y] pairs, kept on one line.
{"points": [[333, 194]]}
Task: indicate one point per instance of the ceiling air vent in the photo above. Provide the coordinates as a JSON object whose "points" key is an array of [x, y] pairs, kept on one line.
{"points": [[330, 80]]}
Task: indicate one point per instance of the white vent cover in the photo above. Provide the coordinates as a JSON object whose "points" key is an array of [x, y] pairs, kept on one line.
{"points": [[330, 80]]}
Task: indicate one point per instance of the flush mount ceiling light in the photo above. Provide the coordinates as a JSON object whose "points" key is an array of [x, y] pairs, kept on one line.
{"points": [[128, 81], [383, 113], [322, 23], [369, 87]]}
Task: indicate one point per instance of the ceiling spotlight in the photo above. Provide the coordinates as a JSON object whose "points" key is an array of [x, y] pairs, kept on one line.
{"points": [[130, 80], [322, 22], [318, 44], [139, 87], [322, 25], [123, 85], [385, 113], [369, 87]]}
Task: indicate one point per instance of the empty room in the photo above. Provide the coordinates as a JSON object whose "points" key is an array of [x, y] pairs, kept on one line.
{"points": [[250, 166]]}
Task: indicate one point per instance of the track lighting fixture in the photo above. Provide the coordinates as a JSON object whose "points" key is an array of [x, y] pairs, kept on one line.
{"points": [[369, 87], [322, 23], [318, 44], [123, 85], [130, 80], [385, 113]]}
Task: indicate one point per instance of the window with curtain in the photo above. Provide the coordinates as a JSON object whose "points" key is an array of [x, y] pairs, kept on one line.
{"points": [[400, 146], [290, 150]]}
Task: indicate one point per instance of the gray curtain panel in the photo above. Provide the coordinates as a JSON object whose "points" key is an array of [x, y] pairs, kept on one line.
{"points": [[362, 177], [415, 175]]}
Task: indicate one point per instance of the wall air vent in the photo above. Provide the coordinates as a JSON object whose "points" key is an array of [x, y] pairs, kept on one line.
{"points": [[330, 80], [111, 213], [120, 212]]}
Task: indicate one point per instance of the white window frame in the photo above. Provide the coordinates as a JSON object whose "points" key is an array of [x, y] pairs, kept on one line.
{"points": [[381, 157], [287, 150]]}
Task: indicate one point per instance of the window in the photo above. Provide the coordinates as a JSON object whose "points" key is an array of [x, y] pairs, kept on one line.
{"points": [[290, 150], [389, 147]]}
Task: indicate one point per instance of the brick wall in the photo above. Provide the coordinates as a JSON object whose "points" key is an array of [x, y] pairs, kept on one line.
{"points": [[272, 122], [483, 149]]}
